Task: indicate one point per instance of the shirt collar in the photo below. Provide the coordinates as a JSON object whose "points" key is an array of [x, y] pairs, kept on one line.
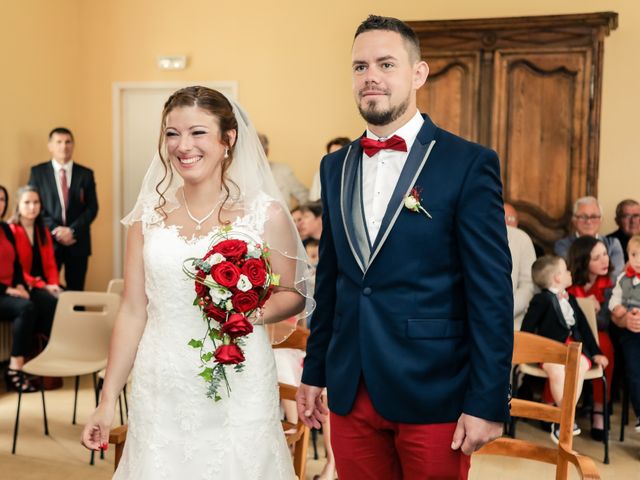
{"points": [[67, 166], [408, 131]]}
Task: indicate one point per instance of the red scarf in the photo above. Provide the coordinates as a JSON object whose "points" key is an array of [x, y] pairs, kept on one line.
{"points": [[597, 289]]}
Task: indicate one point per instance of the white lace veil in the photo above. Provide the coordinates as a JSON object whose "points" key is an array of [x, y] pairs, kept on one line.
{"points": [[249, 178]]}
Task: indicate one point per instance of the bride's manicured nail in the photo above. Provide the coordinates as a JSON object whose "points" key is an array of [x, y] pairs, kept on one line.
{"points": [[104, 446]]}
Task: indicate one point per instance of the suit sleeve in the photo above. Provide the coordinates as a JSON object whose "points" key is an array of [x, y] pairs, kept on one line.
{"points": [[36, 181], [536, 312], [83, 222], [325, 297], [486, 266]]}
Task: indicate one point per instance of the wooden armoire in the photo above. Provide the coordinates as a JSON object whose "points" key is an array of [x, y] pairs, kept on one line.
{"points": [[530, 88]]}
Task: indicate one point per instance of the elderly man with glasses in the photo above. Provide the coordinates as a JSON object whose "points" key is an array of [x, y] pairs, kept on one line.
{"points": [[586, 220], [628, 220]]}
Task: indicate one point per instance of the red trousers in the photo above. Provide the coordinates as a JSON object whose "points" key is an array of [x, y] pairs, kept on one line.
{"points": [[368, 447]]}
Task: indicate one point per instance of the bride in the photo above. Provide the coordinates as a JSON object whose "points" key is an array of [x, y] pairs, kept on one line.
{"points": [[210, 172]]}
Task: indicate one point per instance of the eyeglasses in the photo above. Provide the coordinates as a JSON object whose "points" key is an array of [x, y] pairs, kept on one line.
{"points": [[587, 218], [629, 216]]}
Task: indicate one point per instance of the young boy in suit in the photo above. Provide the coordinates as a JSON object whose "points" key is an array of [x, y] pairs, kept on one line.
{"points": [[555, 314]]}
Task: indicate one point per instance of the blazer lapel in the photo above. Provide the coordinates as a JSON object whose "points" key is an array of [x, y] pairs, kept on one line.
{"points": [[55, 206], [347, 187], [416, 160], [556, 308]]}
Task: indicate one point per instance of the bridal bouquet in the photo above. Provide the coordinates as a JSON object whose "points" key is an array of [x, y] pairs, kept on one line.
{"points": [[232, 282]]}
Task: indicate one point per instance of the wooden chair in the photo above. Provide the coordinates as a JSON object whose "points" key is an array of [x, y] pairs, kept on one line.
{"points": [[530, 348], [594, 373], [297, 435]]}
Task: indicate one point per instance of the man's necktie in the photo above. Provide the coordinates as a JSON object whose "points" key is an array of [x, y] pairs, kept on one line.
{"points": [[64, 185], [371, 146]]}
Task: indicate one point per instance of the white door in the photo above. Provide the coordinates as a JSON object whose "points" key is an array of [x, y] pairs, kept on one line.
{"points": [[137, 108]]}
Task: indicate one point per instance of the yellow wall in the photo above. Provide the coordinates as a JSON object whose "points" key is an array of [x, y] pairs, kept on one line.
{"points": [[291, 61]]}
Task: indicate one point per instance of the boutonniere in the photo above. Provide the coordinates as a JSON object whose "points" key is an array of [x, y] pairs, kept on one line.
{"points": [[412, 202]]}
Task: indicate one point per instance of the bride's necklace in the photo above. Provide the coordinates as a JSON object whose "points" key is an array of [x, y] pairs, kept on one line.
{"points": [[199, 222]]}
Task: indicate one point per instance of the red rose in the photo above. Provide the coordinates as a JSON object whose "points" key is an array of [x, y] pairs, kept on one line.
{"points": [[255, 271], [201, 289], [245, 301], [226, 274], [228, 354], [231, 249], [237, 326], [216, 313]]}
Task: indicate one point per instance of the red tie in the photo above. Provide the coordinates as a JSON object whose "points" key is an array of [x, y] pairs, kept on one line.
{"points": [[632, 273], [64, 185], [371, 146], [563, 295]]}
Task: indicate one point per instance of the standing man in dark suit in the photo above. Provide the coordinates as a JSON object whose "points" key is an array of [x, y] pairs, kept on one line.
{"points": [[69, 203], [413, 330]]}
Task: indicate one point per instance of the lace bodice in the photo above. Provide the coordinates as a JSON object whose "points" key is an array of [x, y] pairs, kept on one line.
{"points": [[175, 431]]}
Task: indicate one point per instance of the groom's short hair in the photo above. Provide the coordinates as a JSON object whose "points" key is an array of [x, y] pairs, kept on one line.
{"points": [[376, 22]]}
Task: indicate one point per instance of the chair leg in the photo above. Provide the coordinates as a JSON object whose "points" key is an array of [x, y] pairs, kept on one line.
{"points": [[75, 400], [44, 407], [15, 426], [126, 404], [605, 415], [314, 441], [624, 414], [120, 405]]}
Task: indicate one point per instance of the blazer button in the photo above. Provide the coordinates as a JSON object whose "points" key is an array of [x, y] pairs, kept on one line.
{"points": [[366, 291]]}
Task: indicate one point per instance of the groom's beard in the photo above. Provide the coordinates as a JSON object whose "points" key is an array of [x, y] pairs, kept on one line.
{"points": [[383, 117]]}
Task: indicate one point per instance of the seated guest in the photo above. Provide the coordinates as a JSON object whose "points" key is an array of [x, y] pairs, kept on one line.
{"points": [[311, 225], [591, 274], [334, 144], [628, 220], [625, 313], [587, 218], [35, 251], [296, 214], [555, 314], [15, 305], [293, 191], [522, 257]]}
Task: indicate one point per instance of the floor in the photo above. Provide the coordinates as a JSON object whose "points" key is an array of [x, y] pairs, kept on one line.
{"points": [[60, 455]]}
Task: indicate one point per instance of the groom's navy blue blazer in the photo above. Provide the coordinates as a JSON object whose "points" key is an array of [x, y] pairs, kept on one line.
{"points": [[424, 316]]}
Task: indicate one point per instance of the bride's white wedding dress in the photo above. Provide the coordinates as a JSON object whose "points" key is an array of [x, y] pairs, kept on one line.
{"points": [[175, 431]]}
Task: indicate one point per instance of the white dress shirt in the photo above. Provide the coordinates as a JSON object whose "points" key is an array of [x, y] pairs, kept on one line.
{"points": [[68, 167], [380, 174], [565, 308]]}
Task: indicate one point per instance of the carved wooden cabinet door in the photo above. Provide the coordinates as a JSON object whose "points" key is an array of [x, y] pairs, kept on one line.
{"points": [[530, 88]]}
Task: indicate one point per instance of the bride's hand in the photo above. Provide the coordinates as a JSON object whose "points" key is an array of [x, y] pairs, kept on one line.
{"points": [[95, 435]]}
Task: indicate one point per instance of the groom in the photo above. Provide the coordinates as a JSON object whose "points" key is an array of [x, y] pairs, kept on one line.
{"points": [[413, 331]]}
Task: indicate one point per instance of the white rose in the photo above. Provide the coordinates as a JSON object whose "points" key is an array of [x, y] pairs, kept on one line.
{"points": [[215, 259], [244, 285], [219, 294], [228, 305], [410, 202]]}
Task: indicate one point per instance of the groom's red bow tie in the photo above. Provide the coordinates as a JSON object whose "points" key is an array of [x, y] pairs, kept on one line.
{"points": [[371, 146], [632, 273]]}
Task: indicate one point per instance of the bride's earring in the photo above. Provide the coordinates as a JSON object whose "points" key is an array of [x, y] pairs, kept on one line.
{"points": [[226, 153]]}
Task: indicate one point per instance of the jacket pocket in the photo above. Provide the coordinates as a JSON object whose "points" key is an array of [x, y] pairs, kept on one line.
{"points": [[434, 328]]}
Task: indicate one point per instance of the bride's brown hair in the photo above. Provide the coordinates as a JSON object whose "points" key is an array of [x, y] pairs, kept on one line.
{"points": [[216, 104]]}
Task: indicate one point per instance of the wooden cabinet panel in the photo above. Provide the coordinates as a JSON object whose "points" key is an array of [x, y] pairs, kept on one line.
{"points": [[530, 88], [451, 97]]}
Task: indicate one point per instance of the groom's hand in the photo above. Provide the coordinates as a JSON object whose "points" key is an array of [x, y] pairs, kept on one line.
{"points": [[311, 410], [472, 433]]}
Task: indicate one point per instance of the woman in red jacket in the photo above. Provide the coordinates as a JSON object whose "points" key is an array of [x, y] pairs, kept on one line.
{"points": [[15, 305], [35, 250]]}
